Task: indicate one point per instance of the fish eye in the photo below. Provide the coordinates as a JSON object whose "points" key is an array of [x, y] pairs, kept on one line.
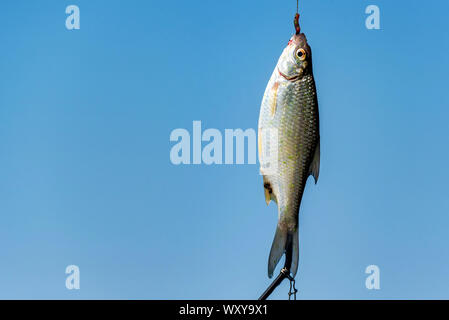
{"points": [[301, 54]]}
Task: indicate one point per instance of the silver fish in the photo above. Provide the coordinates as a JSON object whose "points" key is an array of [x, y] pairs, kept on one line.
{"points": [[289, 144]]}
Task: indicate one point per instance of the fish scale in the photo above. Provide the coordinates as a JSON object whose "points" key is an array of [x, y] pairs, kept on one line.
{"points": [[290, 108]]}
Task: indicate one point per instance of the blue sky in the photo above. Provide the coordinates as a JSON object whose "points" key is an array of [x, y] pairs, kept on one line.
{"points": [[86, 178]]}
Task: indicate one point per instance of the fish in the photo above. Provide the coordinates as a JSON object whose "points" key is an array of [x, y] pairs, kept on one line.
{"points": [[289, 145]]}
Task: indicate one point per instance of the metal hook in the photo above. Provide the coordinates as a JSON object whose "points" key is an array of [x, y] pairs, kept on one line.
{"points": [[290, 292]]}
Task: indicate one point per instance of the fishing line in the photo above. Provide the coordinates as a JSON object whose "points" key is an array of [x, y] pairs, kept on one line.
{"points": [[296, 21]]}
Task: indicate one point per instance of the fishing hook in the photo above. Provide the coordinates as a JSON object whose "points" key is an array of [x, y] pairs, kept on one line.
{"points": [[296, 21]]}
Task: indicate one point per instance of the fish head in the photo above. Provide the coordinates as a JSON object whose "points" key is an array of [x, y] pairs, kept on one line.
{"points": [[296, 59]]}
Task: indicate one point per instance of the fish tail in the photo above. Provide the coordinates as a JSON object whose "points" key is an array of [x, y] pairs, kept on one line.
{"points": [[284, 242]]}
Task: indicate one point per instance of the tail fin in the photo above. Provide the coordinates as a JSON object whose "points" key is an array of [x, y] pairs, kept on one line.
{"points": [[284, 242]]}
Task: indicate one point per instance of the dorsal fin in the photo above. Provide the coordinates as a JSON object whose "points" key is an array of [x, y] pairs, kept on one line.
{"points": [[315, 165]]}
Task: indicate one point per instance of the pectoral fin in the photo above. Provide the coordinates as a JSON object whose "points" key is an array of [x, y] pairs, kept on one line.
{"points": [[274, 99], [315, 165]]}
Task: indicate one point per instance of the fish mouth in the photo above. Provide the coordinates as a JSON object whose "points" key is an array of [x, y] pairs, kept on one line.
{"points": [[289, 78]]}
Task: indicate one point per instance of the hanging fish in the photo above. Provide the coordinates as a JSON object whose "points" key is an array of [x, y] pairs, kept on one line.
{"points": [[289, 134]]}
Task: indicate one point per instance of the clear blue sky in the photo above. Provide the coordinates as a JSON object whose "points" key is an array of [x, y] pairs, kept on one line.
{"points": [[85, 175]]}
